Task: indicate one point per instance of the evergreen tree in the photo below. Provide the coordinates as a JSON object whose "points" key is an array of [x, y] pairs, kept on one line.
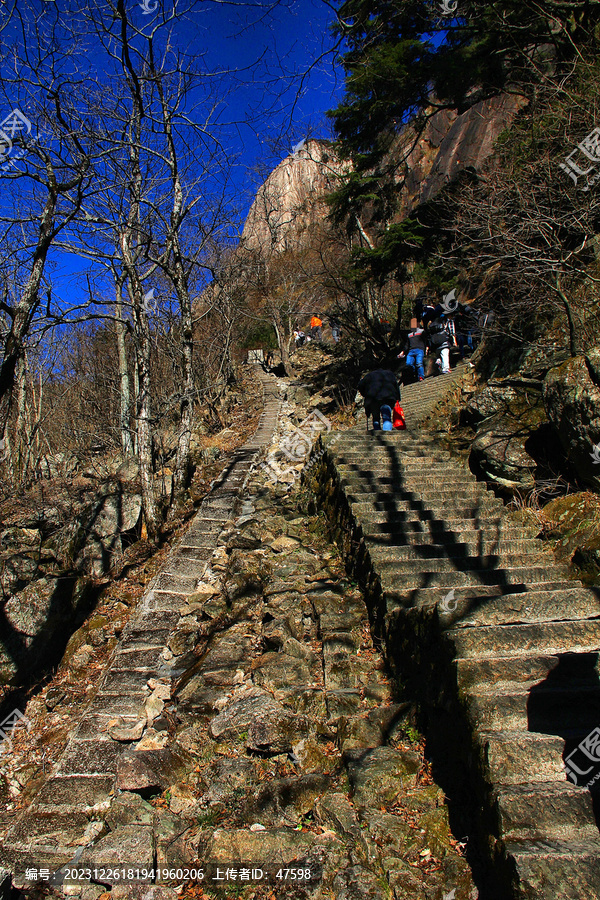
{"points": [[406, 60]]}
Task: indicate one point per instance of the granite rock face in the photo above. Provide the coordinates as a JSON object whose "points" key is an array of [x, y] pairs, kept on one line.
{"points": [[572, 400], [452, 143], [290, 203], [291, 200]]}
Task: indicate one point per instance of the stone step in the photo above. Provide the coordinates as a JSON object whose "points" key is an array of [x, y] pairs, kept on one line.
{"points": [[503, 671], [581, 636], [539, 707], [523, 757], [477, 594], [407, 460], [448, 491], [469, 544], [392, 576], [438, 509], [468, 506], [395, 455], [424, 531], [396, 446], [546, 811], [396, 490], [462, 551], [391, 441], [390, 475], [406, 523], [529, 606], [545, 865], [389, 558]]}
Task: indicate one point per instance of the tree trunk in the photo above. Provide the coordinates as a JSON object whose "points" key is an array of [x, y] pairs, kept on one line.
{"points": [[144, 425], [25, 309], [125, 395], [575, 338], [282, 343], [182, 464]]}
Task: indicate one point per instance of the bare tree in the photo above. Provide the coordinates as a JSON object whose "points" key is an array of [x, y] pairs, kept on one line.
{"points": [[526, 228], [47, 159]]}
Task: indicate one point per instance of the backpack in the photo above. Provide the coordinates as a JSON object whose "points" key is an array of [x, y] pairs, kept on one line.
{"points": [[438, 326], [398, 419]]}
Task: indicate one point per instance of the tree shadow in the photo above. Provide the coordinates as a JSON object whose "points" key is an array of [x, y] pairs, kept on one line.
{"points": [[410, 626], [567, 704]]}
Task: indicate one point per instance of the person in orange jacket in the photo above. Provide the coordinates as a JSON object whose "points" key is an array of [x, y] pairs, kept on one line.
{"points": [[315, 328]]}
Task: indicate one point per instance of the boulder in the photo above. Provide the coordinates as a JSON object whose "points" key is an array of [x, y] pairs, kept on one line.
{"points": [[498, 453], [378, 776], [129, 809], [36, 612], [127, 847], [264, 725], [357, 883], [491, 400], [148, 771], [247, 573], [103, 524], [571, 395], [250, 537], [285, 799]]}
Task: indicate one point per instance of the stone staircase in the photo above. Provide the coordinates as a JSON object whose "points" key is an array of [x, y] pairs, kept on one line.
{"points": [[498, 643], [54, 830]]}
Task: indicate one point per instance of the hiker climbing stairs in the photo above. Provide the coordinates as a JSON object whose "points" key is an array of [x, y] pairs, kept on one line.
{"points": [[498, 642]]}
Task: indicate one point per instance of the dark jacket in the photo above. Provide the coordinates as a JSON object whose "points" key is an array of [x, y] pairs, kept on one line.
{"points": [[430, 312], [379, 388], [416, 340], [438, 336]]}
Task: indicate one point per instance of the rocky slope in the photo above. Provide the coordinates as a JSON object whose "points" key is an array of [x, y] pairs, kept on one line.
{"points": [[269, 735]]}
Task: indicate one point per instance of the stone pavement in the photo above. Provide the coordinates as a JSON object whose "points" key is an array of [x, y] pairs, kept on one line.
{"points": [[498, 643], [247, 724]]}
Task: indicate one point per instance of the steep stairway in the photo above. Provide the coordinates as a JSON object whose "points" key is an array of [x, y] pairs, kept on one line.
{"points": [[53, 831], [498, 642]]}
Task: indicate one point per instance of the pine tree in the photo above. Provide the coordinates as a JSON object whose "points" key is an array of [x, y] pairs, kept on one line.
{"points": [[406, 60]]}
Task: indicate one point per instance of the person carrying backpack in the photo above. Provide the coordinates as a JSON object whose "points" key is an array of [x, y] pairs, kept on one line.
{"points": [[315, 328], [336, 329], [381, 392], [440, 342], [415, 349]]}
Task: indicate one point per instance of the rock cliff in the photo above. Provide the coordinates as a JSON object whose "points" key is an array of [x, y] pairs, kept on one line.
{"points": [[290, 203], [291, 200]]}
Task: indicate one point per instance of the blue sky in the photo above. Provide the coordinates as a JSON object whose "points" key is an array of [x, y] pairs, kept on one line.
{"points": [[295, 81], [274, 64]]}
